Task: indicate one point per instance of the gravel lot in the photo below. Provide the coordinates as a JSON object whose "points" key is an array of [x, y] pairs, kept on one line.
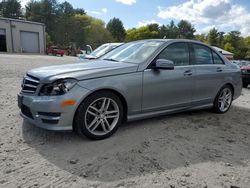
{"points": [[193, 149]]}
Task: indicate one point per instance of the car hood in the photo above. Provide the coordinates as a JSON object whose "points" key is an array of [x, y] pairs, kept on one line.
{"points": [[83, 70]]}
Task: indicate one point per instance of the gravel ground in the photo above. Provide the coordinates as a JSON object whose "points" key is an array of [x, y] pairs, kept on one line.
{"points": [[192, 149]]}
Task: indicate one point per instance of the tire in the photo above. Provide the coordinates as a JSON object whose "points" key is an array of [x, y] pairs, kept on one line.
{"points": [[97, 121], [225, 96], [245, 85]]}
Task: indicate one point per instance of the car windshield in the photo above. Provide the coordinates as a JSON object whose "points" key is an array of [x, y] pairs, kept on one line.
{"points": [[133, 52], [101, 50]]}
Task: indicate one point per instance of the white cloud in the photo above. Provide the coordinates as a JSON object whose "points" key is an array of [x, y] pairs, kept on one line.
{"points": [[211, 13], [104, 10], [127, 2], [147, 22], [24, 2], [95, 12]]}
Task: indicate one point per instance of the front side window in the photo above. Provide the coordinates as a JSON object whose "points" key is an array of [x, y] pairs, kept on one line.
{"points": [[217, 59], [202, 55], [177, 52]]}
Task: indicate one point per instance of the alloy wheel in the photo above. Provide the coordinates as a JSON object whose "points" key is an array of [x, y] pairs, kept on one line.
{"points": [[225, 99], [101, 116]]}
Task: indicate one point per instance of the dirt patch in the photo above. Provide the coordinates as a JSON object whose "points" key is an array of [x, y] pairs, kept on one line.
{"points": [[192, 149]]}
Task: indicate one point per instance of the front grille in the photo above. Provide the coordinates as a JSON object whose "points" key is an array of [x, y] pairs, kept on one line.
{"points": [[30, 84], [26, 111]]}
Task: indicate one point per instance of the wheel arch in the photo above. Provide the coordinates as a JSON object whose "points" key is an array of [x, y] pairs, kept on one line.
{"points": [[230, 85], [117, 93]]}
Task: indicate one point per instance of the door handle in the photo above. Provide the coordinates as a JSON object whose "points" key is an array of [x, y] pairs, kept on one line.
{"points": [[219, 69], [188, 73]]}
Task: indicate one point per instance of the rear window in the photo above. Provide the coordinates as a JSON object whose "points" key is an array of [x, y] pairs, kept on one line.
{"points": [[202, 55], [217, 59]]}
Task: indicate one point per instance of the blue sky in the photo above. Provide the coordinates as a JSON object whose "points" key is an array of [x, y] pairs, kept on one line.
{"points": [[225, 15]]}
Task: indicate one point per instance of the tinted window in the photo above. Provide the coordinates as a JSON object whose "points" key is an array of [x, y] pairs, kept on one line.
{"points": [[178, 53], [202, 54], [217, 59]]}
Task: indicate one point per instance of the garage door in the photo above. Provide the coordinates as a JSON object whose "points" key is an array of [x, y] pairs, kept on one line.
{"points": [[29, 42]]}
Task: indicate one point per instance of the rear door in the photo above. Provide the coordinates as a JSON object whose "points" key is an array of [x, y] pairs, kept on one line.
{"points": [[169, 89], [210, 70]]}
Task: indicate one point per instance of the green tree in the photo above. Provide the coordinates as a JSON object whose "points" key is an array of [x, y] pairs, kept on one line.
{"points": [[116, 28], [10, 9], [80, 11], [247, 44], [228, 46], [43, 11], [48, 40], [237, 43], [213, 37], [141, 33], [64, 28], [154, 27], [169, 31], [201, 37], [97, 34], [185, 30]]}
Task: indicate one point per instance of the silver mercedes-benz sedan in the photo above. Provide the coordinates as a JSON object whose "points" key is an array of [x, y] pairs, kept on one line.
{"points": [[137, 80]]}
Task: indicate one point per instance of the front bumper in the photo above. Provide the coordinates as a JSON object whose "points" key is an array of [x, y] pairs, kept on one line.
{"points": [[47, 112], [246, 78]]}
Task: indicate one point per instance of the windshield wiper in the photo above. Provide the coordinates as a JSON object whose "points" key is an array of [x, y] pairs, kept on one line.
{"points": [[110, 60]]}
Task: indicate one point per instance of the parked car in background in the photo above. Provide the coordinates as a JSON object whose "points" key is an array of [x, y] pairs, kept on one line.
{"points": [[137, 80], [100, 51], [241, 62], [54, 50], [245, 72]]}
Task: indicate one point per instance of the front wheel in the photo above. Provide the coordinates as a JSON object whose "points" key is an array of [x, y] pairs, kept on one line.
{"points": [[99, 116], [223, 100]]}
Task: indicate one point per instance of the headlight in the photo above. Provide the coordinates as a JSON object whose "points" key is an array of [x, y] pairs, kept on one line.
{"points": [[58, 87]]}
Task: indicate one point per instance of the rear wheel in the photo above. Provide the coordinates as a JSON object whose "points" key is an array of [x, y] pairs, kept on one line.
{"points": [[223, 99], [99, 116], [245, 84]]}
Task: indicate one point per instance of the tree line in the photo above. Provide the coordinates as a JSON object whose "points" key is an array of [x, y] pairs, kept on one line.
{"points": [[67, 26]]}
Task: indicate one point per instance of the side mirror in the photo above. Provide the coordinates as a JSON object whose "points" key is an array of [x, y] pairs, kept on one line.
{"points": [[164, 64]]}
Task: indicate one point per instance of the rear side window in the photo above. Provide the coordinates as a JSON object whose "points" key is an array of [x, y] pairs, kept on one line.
{"points": [[177, 52], [217, 59], [202, 55]]}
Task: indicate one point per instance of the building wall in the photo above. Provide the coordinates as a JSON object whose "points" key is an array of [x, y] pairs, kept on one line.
{"points": [[13, 29]]}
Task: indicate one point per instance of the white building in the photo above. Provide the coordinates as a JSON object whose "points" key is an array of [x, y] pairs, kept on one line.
{"points": [[20, 36]]}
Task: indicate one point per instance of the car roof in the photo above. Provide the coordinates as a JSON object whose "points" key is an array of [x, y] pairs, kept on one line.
{"points": [[172, 40]]}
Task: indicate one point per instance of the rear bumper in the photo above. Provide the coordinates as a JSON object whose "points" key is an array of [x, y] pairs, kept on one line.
{"points": [[46, 111]]}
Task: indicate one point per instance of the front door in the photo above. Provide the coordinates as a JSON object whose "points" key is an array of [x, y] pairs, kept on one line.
{"points": [[169, 89]]}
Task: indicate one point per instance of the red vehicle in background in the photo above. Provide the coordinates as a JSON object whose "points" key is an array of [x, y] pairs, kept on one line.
{"points": [[54, 50]]}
